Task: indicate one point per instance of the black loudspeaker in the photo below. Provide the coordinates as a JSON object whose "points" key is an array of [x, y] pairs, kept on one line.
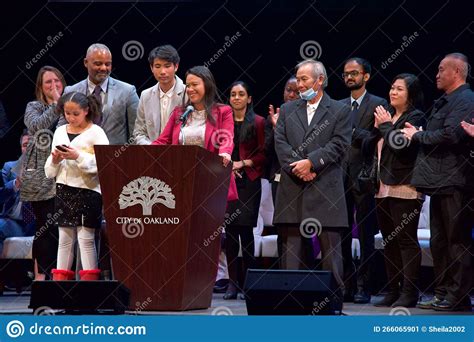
{"points": [[83, 297], [292, 292]]}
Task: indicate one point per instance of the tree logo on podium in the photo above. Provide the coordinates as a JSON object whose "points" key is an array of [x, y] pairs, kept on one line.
{"points": [[146, 191]]}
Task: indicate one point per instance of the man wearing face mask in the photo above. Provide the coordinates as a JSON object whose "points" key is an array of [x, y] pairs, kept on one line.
{"points": [[119, 100], [311, 139], [356, 75]]}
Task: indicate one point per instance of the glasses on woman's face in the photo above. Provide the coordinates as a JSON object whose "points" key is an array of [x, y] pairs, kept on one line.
{"points": [[352, 74]]}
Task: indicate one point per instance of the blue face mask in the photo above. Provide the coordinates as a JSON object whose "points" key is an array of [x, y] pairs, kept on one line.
{"points": [[309, 94]]}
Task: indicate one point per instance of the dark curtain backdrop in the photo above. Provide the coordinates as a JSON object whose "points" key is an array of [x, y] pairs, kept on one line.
{"points": [[258, 41]]}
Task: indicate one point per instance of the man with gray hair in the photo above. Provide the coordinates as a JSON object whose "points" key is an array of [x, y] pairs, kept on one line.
{"points": [[443, 170], [311, 138], [119, 100]]}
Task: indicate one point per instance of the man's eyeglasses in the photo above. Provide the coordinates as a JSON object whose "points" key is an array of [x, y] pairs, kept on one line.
{"points": [[352, 74]]}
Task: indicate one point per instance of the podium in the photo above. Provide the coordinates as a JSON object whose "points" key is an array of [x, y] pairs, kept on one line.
{"points": [[164, 207]]}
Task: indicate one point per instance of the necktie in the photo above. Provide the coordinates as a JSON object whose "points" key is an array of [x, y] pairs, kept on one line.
{"points": [[97, 92], [355, 105], [354, 112]]}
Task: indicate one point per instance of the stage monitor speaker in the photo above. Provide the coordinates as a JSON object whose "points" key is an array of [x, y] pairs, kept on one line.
{"points": [[292, 292], [83, 297]]}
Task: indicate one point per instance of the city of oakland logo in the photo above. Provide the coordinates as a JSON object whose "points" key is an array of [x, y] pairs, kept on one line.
{"points": [[146, 191]]}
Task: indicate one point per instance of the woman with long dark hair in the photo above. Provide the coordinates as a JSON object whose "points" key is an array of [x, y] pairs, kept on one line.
{"points": [[248, 161], [209, 124], [398, 204]]}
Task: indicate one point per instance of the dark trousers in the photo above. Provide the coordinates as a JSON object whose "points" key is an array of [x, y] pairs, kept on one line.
{"points": [[45, 243], [365, 218], [233, 232], [103, 248], [296, 251], [274, 190], [450, 224], [398, 222]]}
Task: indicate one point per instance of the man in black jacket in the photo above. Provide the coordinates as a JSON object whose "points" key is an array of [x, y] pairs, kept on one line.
{"points": [[442, 171], [356, 75]]}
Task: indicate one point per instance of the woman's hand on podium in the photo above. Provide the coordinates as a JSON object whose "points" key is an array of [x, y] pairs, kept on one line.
{"points": [[226, 159]]}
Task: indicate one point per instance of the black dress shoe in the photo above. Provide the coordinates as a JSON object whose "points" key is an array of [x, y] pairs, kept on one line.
{"points": [[221, 286], [231, 292], [446, 305], [407, 300], [230, 295], [428, 304], [361, 297], [388, 300]]}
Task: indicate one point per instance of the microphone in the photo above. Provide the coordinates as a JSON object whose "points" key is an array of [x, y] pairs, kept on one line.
{"points": [[184, 117]]}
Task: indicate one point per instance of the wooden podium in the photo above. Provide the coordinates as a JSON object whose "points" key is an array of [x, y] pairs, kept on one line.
{"points": [[164, 206]]}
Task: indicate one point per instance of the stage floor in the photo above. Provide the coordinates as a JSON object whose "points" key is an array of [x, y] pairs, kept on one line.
{"points": [[13, 304]]}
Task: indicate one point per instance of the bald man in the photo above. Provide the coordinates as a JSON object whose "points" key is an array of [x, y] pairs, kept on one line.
{"points": [[119, 100], [444, 171]]}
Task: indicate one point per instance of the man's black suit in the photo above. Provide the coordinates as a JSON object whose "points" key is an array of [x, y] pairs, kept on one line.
{"points": [[363, 203]]}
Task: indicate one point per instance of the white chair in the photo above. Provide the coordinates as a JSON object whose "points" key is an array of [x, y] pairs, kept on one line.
{"points": [[18, 248], [269, 244]]}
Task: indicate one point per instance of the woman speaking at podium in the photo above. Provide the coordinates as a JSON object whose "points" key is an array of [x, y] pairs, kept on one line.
{"points": [[202, 121]]}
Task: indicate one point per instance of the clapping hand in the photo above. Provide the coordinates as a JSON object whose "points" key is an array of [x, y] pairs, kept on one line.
{"points": [[273, 115], [469, 128], [381, 115], [410, 130]]}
